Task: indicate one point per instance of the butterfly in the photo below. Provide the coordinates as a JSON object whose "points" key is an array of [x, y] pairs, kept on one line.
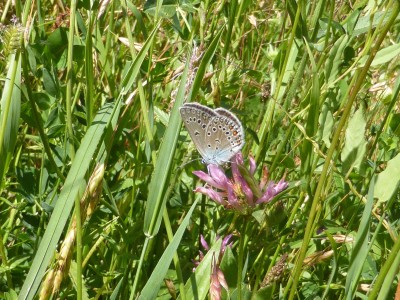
{"points": [[217, 133]]}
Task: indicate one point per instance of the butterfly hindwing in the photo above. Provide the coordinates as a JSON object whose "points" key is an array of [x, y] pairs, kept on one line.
{"points": [[196, 118], [224, 136]]}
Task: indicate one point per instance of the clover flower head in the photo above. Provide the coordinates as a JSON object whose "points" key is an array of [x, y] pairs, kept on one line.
{"points": [[241, 192]]}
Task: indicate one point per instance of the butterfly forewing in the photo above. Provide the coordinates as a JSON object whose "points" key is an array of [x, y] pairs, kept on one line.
{"points": [[217, 134]]}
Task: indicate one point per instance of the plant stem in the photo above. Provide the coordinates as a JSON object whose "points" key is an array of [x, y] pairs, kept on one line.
{"points": [[243, 238]]}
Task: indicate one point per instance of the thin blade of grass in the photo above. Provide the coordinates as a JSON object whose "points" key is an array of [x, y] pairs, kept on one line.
{"points": [[162, 169], [153, 284], [89, 99], [307, 155], [384, 282], [130, 76], [361, 249], [205, 61]]}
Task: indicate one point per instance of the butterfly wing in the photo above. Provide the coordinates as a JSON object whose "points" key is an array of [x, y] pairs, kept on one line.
{"points": [[224, 137], [236, 131], [196, 118]]}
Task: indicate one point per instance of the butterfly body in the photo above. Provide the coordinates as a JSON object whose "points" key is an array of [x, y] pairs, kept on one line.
{"points": [[217, 134]]}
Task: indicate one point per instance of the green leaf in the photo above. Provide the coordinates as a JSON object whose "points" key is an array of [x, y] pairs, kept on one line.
{"points": [[364, 23], [388, 180], [43, 100], [355, 143], [264, 293], [351, 21], [198, 284], [57, 42], [383, 56], [335, 59], [50, 83], [307, 155], [326, 122], [10, 295], [167, 9]]}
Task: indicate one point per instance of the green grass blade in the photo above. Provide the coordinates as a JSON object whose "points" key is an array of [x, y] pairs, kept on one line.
{"points": [[89, 74], [205, 61], [152, 286], [361, 249], [73, 187], [332, 65], [384, 282], [393, 264], [131, 76], [162, 169], [312, 119], [9, 114]]}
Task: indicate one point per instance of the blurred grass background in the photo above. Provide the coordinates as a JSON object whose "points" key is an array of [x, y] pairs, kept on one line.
{"points": [[96, 172]]}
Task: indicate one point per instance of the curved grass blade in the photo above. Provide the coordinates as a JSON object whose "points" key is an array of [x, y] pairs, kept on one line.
{"points": [[73, 187], [208, 55], [130, 76], [361, 247], [162, 169], [10, 107], [152, 286]]}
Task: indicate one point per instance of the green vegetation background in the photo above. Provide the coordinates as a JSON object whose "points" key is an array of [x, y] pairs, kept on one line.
{"points": [[90, 127]]}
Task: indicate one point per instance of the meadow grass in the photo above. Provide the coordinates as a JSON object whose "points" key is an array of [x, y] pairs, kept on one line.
{"points": [[96, 171]]}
